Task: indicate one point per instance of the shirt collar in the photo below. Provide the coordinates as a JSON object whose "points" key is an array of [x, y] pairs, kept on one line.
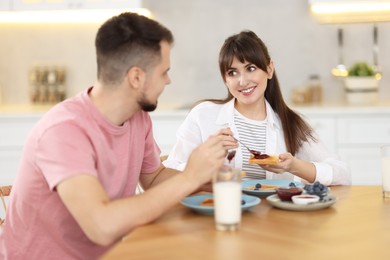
{"points": [[272, 117], [225, 116]]}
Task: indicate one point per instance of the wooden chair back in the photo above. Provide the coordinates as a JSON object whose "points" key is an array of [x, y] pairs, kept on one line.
{"points": [[5, 191]]}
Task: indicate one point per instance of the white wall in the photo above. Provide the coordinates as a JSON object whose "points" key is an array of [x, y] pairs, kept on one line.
{"points": [[22, 46], [298, 44]]}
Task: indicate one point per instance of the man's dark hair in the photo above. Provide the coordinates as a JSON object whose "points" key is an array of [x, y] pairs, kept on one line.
{"points": [[125, 41]]}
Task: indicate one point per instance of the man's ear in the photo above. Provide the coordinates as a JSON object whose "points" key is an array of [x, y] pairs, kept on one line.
{"points": [[270, 69], [136, 77]]}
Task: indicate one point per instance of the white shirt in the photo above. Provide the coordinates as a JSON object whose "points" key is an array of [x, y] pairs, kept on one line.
{"points": [[253, 133], [207, 118]]}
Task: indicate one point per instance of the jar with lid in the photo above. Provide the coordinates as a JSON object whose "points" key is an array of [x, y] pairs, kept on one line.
{"points": [[315, 88]]}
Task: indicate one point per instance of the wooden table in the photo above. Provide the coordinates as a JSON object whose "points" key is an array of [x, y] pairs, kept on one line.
{"points": [[357, 226]]}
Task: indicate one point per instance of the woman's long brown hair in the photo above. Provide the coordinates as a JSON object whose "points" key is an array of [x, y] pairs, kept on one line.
{"points": [[248, 47]]}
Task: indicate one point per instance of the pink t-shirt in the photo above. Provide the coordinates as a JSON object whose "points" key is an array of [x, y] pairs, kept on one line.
{"points": [[71, 139]]}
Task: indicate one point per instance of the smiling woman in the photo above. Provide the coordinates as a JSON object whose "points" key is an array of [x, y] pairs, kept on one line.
{"points": [[255, 113]]}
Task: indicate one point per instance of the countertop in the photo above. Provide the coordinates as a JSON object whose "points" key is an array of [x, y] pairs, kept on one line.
{"points": [[379, 107], [167, 109], [20, 109]]}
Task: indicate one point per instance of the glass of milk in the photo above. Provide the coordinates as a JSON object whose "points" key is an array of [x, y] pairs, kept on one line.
{"points": [[385, 154], [227, 198]]}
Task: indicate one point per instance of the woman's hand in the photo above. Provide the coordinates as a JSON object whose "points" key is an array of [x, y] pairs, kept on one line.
{"points": [[226, 136], [286, 161]]}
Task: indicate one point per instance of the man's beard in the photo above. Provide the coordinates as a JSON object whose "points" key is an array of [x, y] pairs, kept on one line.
{"points": [[146, 105]]}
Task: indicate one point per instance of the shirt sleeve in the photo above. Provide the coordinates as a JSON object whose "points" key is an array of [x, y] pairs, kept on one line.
{"points": [[63, 152], [330, 170]]}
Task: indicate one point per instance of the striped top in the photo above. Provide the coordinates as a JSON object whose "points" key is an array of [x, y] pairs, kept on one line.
{"points": [[253, 134]]}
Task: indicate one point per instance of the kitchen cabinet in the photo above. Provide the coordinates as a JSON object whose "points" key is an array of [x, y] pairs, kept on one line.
{"points": [[13, 134], [15, 127], [354, 133], [325, 127], [360, 139], [364, 163], [74, 4], [165, 125]]}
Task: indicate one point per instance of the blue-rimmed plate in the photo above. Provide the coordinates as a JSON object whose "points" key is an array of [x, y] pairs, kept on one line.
{"points": [[193, 202], [264, 193]]}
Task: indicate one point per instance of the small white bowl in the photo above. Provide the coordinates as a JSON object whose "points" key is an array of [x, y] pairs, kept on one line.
{"points": [[305, 199]]}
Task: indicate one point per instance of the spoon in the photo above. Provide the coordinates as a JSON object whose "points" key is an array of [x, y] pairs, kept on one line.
{"points": [[250, 150], [377, 68], [340, 70]]}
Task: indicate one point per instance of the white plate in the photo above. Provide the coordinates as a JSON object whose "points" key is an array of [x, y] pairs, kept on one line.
{"points": [[264, 193], [275, 201]]}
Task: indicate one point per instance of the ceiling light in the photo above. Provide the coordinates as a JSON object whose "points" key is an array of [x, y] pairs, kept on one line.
{"points": [[344, 11]]}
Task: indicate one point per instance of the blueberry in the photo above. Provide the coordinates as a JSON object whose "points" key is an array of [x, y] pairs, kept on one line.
{"points": [[242, 202], [317, 188], [258, 186], [292, 184]]}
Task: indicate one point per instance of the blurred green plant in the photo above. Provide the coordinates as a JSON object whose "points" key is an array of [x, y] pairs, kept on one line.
{"points": [[361, 69]]}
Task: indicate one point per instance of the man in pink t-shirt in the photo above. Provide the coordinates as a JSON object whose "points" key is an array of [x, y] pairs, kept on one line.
{"points": [[74, 195]]}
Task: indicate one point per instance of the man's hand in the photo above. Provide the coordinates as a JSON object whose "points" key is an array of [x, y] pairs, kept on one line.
{"points": [[206, 159]]}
